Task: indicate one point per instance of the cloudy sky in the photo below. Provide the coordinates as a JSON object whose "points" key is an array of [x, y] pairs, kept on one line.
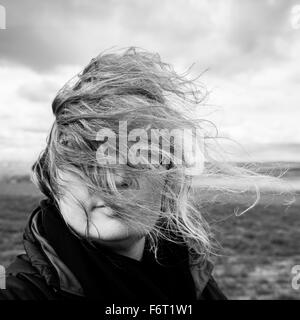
{"points": [[250, 49]]}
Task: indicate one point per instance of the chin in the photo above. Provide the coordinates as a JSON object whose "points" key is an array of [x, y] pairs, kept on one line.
{"points": [[116, 236], [109, 229]]}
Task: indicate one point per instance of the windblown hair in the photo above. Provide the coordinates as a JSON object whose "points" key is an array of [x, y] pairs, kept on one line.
{"points": [[136, 87]]}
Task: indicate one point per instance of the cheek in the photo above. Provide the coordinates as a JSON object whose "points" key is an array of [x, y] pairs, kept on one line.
{"points": [[74, 193], [73, 214], [151, 192], [148, 193], [149, 196]]}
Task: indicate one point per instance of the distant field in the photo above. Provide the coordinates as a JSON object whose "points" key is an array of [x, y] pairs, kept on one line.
{"points": [[258, 251], [259, 248], [14, 211]]}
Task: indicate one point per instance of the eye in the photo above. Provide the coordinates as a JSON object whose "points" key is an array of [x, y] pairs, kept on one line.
{"points": [[128, 183], [125, 184], [64, 141]]}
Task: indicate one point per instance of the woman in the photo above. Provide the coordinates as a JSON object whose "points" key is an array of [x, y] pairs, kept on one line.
{"points": [[118, 222]]}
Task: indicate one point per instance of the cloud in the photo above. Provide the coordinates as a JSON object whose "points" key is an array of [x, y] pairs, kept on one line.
{"points": [[249, 46], [41, 91], [43, 35], [227, 35]]}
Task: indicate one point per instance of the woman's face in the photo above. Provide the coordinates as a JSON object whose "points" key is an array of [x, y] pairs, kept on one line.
{"points": [[103, 226]]}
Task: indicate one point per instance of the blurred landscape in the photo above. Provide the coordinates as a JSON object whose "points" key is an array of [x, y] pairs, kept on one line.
{"points": [[257, 249]]}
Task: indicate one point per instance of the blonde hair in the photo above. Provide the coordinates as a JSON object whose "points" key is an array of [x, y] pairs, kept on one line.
{"points": [[137, 87]]}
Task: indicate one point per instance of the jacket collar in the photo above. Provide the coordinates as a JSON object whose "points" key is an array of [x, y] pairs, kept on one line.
{"points": [[44, 258], [56, 274]]}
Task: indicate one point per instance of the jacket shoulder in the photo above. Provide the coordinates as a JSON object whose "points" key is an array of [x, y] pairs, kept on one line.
{"points": [[205, 284], [23, 282], [212, 291]]}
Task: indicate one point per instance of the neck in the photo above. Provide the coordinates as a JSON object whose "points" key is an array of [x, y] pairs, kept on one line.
{"points": [[134, 250]]}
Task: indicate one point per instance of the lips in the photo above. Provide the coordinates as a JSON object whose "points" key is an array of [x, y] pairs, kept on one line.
{"points": [[99, 206], [95, 207]]}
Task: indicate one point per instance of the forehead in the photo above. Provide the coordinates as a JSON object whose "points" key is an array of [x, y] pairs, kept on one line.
{"points": [[69, 178]]}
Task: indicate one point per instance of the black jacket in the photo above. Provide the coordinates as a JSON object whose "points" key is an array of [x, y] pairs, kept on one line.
{"points": [[40, 274]]}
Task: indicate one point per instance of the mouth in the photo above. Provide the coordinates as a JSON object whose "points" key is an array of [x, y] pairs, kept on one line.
{"points": [[98, 206]]}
